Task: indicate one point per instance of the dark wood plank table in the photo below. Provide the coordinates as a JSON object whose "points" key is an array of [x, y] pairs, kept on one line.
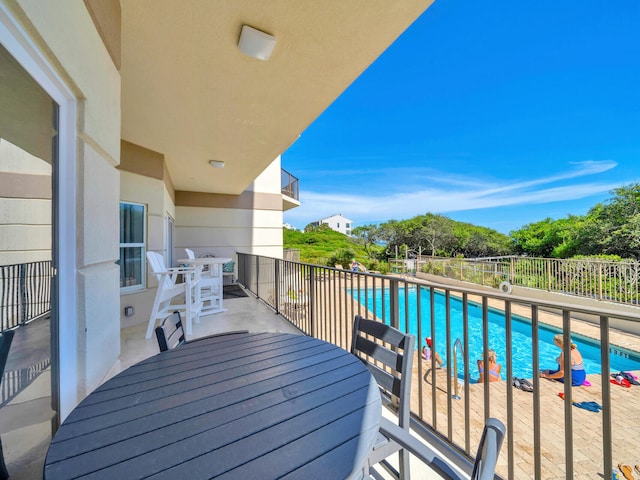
{"points": [[237, 406]]}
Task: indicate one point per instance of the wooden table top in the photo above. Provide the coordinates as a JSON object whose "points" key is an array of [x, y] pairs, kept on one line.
{"points": [[240, 406]]}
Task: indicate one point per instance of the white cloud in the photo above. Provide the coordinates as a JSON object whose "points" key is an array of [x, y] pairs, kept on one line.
{"points": [[451, 193]]}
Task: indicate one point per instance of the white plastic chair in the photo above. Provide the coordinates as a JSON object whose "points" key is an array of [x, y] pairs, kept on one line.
{"points": [[169, 288]]}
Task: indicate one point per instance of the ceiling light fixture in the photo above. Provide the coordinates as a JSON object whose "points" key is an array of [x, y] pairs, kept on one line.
{"points": [[216, 163], [255, 43]]}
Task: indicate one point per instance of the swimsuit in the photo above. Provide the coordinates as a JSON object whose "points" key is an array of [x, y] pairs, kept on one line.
{"points": [[492, 373], [578, 374]]}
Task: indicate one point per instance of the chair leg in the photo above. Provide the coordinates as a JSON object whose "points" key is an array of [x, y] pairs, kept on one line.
{"points": [[4, 474], [153, 317]]}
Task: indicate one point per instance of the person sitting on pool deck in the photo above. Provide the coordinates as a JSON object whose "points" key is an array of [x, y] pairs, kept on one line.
{"points": [[494, 367], [578, 374], [426, 353]]}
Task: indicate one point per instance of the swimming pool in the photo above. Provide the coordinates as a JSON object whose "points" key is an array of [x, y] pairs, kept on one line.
{"points": [[620, 359]]}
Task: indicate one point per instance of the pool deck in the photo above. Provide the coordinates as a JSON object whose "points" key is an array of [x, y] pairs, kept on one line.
{"points": [[586, 425]]}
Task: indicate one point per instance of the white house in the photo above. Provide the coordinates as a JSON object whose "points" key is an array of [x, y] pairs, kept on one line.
{"points": [[338, 223]]}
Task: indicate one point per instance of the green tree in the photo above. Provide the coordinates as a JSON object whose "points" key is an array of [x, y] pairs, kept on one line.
{"points": [[367, 236], [617, 223]]}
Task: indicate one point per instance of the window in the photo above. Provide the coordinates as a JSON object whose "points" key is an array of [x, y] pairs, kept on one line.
{"points": [[132, 246]]}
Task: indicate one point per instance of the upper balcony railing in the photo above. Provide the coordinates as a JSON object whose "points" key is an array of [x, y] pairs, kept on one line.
{"points": [[289, 184], [545, 433]]}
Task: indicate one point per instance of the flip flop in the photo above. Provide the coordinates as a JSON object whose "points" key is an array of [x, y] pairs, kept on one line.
{"points": [[626, 471], [637, 467], [586, 383]]}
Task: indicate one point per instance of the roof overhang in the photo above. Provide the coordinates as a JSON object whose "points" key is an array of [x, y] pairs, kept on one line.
{"points": [[189, 93]]}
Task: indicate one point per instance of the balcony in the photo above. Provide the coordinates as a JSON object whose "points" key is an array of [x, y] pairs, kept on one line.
{"points": [[547, 436], [290, 191]]}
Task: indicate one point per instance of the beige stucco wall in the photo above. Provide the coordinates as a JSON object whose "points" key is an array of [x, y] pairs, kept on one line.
{"points": [[65, 35], [225, 231], [221, 230], [153, 193], [25, 206]]}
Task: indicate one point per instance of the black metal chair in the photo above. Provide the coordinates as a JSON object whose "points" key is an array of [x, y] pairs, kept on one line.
{"points": [[5, 344], [388, 353], [170, 333]]}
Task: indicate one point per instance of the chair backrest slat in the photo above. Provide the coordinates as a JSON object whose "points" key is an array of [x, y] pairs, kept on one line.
{"points": [[388, 382], [170, 333], [382, 332], [388, 353], [157, 265]]}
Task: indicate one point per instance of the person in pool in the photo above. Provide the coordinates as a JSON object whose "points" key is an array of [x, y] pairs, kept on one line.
{"points": [[578, 374], [427, 351], [494, 367]]}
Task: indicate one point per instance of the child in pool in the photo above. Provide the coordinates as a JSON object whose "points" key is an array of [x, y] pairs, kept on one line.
{"points": [[427, 352]]}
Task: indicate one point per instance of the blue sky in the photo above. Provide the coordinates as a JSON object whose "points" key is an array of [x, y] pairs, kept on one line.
{"points": [[496, 113]]}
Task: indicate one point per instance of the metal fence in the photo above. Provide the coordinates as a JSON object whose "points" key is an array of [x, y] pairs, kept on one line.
{"points": [[25, 293], [322, 302], [602, 280]]}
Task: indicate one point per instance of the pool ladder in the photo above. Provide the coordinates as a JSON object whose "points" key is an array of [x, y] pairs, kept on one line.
{"points": [[456, 387]]}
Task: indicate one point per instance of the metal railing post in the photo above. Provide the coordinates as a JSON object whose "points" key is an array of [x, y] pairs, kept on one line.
{"points": [[22, 286], [257, 276], [312, 302], [394, 304], [276, 289]]}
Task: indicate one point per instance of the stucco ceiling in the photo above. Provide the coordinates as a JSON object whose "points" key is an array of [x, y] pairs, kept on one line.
{"points": [[189, 93]]}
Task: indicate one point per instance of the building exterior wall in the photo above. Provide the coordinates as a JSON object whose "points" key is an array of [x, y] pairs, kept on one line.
{"points": [[226, 224], [206, 223], [153, 193], [67, 42], [25, 206], [338, 223]]}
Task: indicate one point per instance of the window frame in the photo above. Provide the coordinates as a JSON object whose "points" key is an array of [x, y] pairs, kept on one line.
{"points": [[142, 245]]}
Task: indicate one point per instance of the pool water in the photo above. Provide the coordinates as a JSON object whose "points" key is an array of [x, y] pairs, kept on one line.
{"points": [[620, 359]]}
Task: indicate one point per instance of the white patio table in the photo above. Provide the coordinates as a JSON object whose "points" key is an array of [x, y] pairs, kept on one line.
{"points": [[211, 282]]}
